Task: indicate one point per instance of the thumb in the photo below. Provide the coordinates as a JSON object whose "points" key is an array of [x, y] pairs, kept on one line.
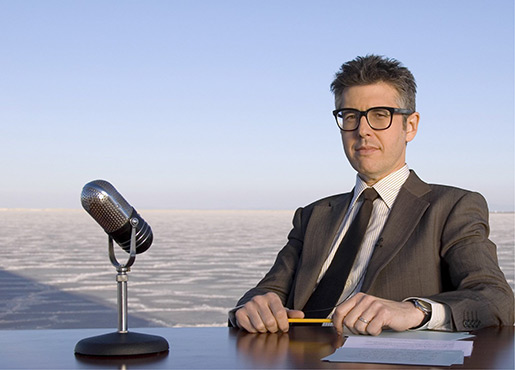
{"points": [[295, 314]]}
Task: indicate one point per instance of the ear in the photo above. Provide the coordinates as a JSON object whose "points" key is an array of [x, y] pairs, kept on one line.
{"points": [[412, 126]]}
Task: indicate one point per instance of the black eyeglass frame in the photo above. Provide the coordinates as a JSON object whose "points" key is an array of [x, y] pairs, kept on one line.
{"points": [[365, 113]]}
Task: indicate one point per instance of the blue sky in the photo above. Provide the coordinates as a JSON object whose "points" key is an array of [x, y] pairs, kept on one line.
{"points": [[226, 104]]}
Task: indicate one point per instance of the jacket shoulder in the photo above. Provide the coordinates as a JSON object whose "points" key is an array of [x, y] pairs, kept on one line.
{"points": [[439, 192], [454, 194], [328, 201]]}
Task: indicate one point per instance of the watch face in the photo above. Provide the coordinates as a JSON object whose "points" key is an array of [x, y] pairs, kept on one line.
{"points": [[424, 305]]}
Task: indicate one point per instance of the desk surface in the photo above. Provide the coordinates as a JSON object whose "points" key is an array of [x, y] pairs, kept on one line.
{"points": [[223, 348]]}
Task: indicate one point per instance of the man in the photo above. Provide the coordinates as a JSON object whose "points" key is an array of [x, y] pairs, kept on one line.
{"points": [[424, 261]]}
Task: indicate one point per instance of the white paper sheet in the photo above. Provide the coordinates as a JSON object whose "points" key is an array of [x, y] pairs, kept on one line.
{"points": [[424, 334], [396, 356], [388, 350], [416, 344], [417, 334]]}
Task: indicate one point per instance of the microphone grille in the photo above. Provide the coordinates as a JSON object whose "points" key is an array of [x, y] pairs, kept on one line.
{"points": [[106, 205]]}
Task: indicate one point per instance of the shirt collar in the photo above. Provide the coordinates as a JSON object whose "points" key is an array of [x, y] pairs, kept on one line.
{"points": [[388, 188]]}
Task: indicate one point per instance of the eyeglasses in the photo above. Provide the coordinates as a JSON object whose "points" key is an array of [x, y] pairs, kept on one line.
{"points": [[378, 118]]}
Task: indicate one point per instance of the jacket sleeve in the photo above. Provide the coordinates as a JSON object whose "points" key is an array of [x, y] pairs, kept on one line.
{"points": [[478, 293], [280, 278]]}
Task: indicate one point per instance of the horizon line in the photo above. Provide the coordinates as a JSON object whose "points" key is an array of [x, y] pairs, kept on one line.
{"points": [[35, 209], [2, 209]]}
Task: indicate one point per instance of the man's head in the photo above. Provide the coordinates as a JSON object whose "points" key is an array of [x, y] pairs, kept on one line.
{"points": [[374, 149]]}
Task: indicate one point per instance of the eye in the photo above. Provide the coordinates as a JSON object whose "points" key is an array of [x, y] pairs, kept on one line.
{"points": [[348, 116], [380, 113]]}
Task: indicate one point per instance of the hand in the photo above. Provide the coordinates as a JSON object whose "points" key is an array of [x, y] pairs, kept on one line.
{"points": [[265, 313], [377, 313]]}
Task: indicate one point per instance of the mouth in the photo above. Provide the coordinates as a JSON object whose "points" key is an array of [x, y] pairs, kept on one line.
{"points": [[366, 149]]}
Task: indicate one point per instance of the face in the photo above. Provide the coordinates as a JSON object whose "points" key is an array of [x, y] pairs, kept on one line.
{"points": [[376, 154]]}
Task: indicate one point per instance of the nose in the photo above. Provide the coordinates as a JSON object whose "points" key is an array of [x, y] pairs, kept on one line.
{"points": [[364, 128]]}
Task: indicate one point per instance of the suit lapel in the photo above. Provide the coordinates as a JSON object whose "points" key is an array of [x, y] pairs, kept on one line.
{"points": [[322, 228], [404, 217]]}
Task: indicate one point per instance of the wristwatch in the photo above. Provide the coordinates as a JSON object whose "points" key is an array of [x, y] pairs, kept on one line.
{"points": [[425, 307]]}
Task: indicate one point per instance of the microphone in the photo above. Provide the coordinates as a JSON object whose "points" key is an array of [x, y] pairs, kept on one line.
{"points": [[113, 213], [125, 226]]}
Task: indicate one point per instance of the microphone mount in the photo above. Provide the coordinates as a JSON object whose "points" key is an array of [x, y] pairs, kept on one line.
{"points": [[122, 342], [122, 278]]}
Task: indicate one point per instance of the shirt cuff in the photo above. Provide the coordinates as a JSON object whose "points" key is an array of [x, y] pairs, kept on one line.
{"points": [[440, 316], [232, 317]]}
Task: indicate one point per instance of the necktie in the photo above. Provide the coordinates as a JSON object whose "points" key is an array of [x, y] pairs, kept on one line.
{"points": [[330, 287]]}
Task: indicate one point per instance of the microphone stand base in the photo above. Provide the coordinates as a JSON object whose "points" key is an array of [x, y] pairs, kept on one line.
{"points": [[121, 344]]}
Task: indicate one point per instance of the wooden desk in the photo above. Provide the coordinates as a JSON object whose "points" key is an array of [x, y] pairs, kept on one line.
{"points": [[223, 348]]}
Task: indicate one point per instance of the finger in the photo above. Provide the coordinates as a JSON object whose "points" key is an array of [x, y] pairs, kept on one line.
{"points": [[338, 318], [379, 313], [261, 314], [274, 314], [243, 321], [282, 320], [367, 325], [256, 312], [358, 321], [361, 325], [341, 312], [280, 317], [295, 314], [362, 309], [265, 321], [370, 316], [375, 327]]}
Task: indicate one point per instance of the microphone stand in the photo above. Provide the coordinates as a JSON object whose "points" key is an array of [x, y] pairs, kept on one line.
{"points": [[122, 342], [122, 277]]}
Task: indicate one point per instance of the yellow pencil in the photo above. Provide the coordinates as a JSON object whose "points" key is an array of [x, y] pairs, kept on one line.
{"points": [[309, 321]]}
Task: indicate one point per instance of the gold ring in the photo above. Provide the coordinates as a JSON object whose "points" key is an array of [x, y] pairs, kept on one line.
{"points": [[363, 320]]}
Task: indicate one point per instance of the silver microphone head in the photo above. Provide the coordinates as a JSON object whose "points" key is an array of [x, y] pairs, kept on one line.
{"points": [[113, 213], [105, 204]]}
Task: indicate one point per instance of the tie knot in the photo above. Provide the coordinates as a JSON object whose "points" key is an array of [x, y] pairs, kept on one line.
{"points": [[370, 194]]}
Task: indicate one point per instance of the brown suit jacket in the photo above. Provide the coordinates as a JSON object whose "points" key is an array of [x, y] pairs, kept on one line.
{"points": [[434, 245]]}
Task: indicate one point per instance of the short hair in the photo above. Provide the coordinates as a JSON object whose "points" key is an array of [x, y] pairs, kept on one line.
{"points": [[372, 69]]}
